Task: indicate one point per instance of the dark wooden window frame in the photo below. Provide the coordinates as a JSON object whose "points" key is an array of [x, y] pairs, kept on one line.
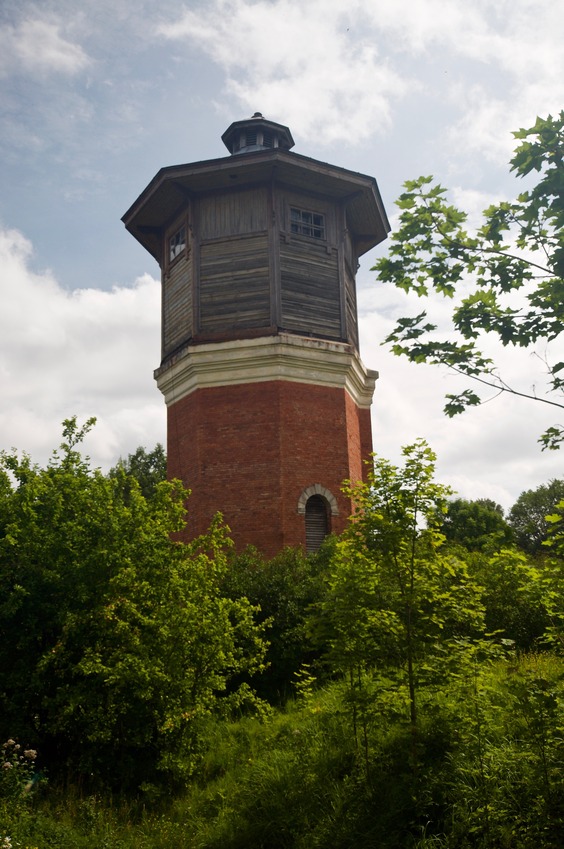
{"points": [[308, 223], [178, 236], [319, 492], [317, 522]]}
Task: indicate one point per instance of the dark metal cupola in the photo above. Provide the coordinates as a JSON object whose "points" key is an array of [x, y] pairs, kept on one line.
{"points": [[256, 133]]}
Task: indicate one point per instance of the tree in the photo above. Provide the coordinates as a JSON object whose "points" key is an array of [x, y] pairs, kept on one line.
{"points": [[282, 589], [395, 602], [552, 578], [147, 467], [477, 525], [512, 596], [528, 515], [513, 266], [115, 641]]}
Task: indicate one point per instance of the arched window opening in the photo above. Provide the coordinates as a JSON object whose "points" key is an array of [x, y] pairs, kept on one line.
{"points": [[317, 522]]}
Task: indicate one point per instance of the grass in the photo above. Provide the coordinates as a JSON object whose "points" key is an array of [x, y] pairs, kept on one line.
{"points": [[489, 775], [253, 774]]}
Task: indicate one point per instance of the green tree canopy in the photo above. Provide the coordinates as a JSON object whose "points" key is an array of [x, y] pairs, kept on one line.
{"points": [[477, 525], [506, 279], [283, 589], [528, 515], [512, 596], [147, 467], [115, 641]]}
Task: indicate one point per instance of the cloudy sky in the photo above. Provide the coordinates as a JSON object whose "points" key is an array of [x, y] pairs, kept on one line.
{"points": [[97, 95]]}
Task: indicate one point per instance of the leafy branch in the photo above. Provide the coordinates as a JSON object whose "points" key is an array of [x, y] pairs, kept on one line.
{"points": [[514, 298]]}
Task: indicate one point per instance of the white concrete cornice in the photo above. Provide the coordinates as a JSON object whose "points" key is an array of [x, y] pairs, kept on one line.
{"points": [[298, 359]]}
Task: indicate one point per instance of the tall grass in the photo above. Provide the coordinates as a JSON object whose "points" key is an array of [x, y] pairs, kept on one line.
{"points": [[490, 775]]}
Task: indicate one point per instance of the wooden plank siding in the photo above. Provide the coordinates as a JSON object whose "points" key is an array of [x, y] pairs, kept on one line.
{"points": [[351, 306], [235, 213], [245, 269], [310, 288], [350, 266], [177, 305], [234, 283]]}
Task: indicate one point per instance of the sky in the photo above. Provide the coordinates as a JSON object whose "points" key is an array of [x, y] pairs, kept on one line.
{"points": [[96, 96]]}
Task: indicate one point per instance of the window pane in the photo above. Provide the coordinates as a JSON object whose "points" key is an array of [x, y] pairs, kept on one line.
{"points": [[306, 223], [177, 244]]}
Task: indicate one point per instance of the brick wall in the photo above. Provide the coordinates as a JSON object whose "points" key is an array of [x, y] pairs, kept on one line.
{"points": [[249, 450]]}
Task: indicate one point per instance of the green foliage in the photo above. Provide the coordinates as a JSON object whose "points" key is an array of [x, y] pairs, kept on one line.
{"points": [[147, 467], [394, 602], [514, 265], [115, 641], [528, 515], [127, 655], [283, 589], [489, 776], [477, 525], [504, 777], [552, 578], [513, 596]]}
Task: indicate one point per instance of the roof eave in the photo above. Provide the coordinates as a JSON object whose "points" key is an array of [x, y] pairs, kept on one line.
{"points": [[151, 210]]}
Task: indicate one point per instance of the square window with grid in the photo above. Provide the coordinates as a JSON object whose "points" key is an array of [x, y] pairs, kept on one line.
{"points": [[177, 244], [306, 223]]}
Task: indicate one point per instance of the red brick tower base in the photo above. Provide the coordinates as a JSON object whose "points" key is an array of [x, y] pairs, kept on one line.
{"points": [[255, 427]]}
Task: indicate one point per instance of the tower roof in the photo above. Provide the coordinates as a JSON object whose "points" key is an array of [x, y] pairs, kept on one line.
{"points": [[256, 133], [267, 158]]}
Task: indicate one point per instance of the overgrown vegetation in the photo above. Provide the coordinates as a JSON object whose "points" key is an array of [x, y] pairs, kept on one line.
{"points": [[116, 643], [402, 688], [488, 774]]}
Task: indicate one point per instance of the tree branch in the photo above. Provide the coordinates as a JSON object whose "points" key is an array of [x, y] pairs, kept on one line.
{"points": [[481, 249], [501, 386]]}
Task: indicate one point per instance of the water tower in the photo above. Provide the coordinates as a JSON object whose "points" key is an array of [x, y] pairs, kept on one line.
{"points": [[268, 401]]}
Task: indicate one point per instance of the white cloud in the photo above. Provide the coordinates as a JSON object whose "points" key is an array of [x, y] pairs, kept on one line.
{"points": [[336, 72], [86, 352], [420, 26], [522, 52], [36, 46], [489, 451], [298, 61]]}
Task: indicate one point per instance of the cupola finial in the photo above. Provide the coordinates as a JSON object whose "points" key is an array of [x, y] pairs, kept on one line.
{"points": [[256, 133]]}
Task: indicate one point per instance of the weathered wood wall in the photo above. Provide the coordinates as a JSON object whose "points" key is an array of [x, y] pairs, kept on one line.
{"points": [[234, 283], [310, 288], [309, 269], [233, 213], [245, 269], [234, 275], [350, 265], [177, 291]]}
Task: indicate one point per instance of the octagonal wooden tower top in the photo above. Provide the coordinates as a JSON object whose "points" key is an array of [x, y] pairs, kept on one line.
{"points": [[261, 242]]}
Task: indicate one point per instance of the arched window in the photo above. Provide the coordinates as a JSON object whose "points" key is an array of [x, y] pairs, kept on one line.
{"points": [[317, 522], [317, 504]]}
